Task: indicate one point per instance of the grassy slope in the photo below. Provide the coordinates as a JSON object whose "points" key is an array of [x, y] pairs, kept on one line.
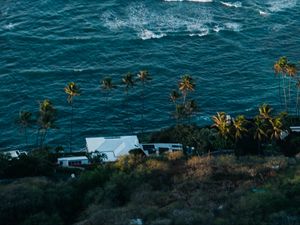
{"points": [[170, 190]]}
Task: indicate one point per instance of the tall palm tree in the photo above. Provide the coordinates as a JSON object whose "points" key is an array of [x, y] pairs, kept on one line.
{"points": [[108, 86], [46, 119], [71, 90], [174, 96], [280, 69], [128, 81], [265, 111], [297, 96], [25, 121], [221, 123], [143, 76], [191, 108], [291, 71], [186, 85]]}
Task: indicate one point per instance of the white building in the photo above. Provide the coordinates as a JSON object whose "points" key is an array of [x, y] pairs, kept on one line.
{"points": [[73, 161], [112, 147], [159, 148]]}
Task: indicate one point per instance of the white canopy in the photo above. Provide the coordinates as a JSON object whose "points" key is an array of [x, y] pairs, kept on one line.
{"points": [[113, 147]]}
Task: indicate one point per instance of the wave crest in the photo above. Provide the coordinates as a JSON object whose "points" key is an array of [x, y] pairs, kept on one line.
{"points": [[232, 4]]}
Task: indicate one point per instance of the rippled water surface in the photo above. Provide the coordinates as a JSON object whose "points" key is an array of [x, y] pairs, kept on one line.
{"points": [[228, 47]]}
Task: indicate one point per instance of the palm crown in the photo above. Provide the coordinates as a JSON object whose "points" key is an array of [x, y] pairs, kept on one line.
{"points": [[72, 90]]}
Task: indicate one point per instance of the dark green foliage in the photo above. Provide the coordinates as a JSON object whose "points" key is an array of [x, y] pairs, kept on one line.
{"points": [[202, 139], [26, 165], [291, 145]]}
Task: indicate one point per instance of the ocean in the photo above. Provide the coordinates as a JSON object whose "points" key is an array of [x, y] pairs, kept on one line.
{"points": [[228, 47]]}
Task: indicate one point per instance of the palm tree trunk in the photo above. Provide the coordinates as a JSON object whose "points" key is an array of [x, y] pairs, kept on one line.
{"points": [[284, 93], [297, 102], [43, 138], [143, 106], [128, 113], [71, 128]]}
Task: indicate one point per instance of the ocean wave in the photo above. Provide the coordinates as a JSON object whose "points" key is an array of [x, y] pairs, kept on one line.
{"points": [[280, 5], [218, 28], [148, 34], [197, 30], [233, 26], [232, 4]]}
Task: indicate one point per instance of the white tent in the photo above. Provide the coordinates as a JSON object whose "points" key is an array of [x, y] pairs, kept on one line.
{"points": [[112, 147]]}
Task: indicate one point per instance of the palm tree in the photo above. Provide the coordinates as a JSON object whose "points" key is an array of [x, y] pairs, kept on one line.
{"points": [[174, 96], [276, 128], [24, 121], [239, 128], [71, 90], [46, 119], [280, 68], [260, 132], [143, 76], [291, 71], [297, 96], [221, 123], [129, 83], [108, 86], [191, 108], [186, 85], [265, 111]]}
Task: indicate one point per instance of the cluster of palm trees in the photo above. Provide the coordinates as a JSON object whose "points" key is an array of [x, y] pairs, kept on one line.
{"points": [[186, 107], [128, 81], [287, 73], [46, 118], [44, 121], [263, 128]]}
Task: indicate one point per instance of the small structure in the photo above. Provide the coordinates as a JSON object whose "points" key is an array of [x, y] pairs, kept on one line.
{"points": [[73, 161], [112, 147], [295, 128], [15, 153], [159, 148]]}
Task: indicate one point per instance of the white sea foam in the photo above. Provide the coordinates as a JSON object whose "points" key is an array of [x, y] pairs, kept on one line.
{"points": [[232, 4], [233, 26], [218, 28], [197, 30], [9, 26], [280, 5], [150, 24], [148, 34], [263, 13]]}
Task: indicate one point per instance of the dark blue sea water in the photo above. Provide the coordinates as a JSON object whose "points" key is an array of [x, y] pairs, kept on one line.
{"points": [[228, 47]]}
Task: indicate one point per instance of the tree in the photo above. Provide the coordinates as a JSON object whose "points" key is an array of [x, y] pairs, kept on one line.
{"points": [[25, 121], [174, 96], [128, 81], [239, 126], [186, 85], [222, 124], [143, 77], [260, 131], [276, 128], [297, 96], [288, 71], [71, 90], [265, 111], [46, 120]]}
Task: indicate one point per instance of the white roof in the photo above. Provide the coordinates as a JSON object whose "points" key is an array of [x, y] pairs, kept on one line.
{"points": [[73, 158], [113, 147]]}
